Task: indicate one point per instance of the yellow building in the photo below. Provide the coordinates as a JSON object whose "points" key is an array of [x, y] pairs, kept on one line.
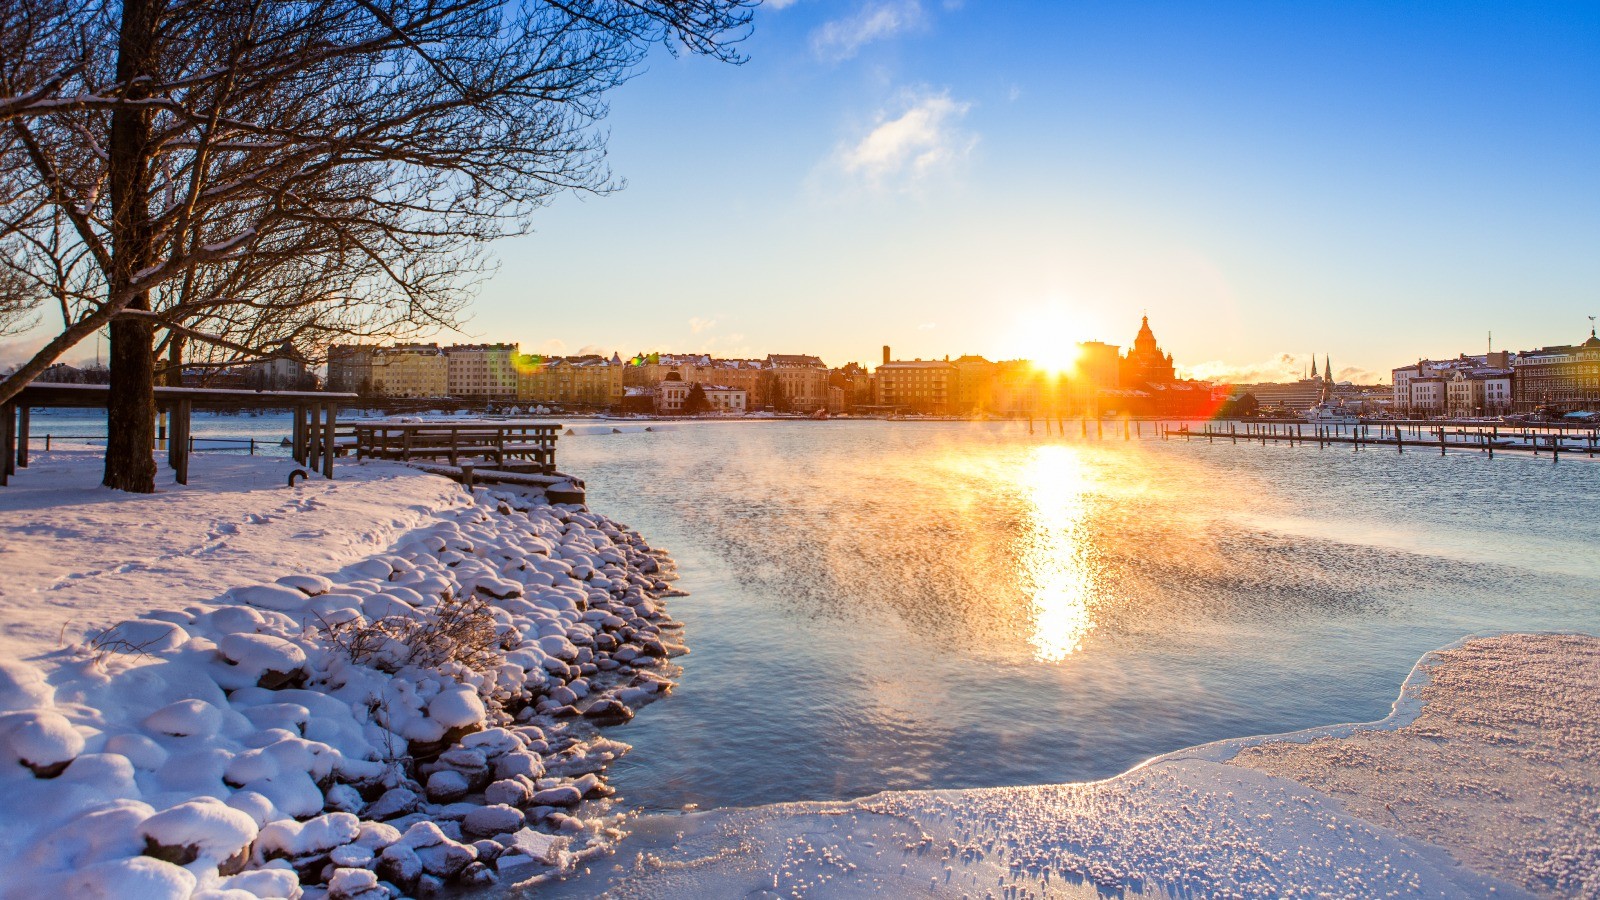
{"points": [[922, 386], [570, 381], [410, 370]]}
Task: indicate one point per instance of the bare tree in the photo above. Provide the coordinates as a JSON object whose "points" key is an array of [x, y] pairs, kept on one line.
{"points": [[243, 172]]}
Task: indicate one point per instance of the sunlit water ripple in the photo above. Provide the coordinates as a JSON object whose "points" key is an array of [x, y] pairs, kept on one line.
{"points": [[928, 605]]}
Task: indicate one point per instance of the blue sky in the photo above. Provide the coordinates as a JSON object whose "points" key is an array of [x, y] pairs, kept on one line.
{"points": [[1375, 181]]}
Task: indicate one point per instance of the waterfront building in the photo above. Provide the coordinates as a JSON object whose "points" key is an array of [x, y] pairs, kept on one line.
{"points": [[802, 379], [350, 368], [284, 370], [1144, 382], [590, 381], [410, 370], [920, 386], [1565, 377], [1293, 396], [854, 385], [482, 371], [725, 400], [1469, 385], [671, 394], [1021, 390], [1145, 363], [750, 375], [974, 392]]}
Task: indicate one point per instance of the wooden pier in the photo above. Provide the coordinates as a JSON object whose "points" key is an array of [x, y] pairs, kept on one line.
{"points": [[1486, 438]]}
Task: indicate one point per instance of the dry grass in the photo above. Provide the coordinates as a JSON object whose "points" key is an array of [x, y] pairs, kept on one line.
{"points": [[459, 630]]}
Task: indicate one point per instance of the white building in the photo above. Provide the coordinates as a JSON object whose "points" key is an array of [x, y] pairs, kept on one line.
{"points": [[728, 401]]}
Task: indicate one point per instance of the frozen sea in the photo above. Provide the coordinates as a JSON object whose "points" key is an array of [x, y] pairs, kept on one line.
{"points": [[906, 605]]}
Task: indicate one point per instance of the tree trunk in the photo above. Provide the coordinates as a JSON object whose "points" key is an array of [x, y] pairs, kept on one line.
{"points": [[175, 361], [131, 404]]}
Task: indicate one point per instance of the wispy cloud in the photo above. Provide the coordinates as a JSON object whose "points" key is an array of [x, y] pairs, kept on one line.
{"points": [[697, 324], [927, 326], [841, 39], [923, 139], [1280, 368]]}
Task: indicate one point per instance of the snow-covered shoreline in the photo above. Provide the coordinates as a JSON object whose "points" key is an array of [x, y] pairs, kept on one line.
{"points": [[413, 700], [1481, 782]]}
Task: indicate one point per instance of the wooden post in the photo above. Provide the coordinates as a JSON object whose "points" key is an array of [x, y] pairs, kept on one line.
{"points": [[327, 439], [22, 435], [466, 476], [7, 417], [295, 434], [314, 437], [1441, 440], [181, 422]]}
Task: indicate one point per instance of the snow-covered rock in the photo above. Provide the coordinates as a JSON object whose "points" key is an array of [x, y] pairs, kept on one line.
{"points": [[185, 718], [42, 740], [281, 598], [268, 661], [201, 830]]}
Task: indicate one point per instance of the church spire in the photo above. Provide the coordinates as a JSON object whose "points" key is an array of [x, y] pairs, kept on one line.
{"points": [[1327, 369]]}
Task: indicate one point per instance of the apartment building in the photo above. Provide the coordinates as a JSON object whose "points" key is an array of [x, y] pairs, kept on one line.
{"points": [[482, 371], [410, 370], [803, 381], [1563, 376], [922, 386], [591, 381], [350, 368]]}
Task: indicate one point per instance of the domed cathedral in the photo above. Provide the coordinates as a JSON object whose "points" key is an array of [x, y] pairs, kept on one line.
{"points": [[1145, 363]]}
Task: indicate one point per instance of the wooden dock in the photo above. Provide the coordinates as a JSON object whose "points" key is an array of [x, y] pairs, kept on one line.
{"points": [[1487, 438]]}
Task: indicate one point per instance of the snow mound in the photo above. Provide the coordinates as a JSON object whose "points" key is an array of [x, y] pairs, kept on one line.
{"points": [[185, 718], [271, 596], [23, 687], [43, 741], [205, 829]]}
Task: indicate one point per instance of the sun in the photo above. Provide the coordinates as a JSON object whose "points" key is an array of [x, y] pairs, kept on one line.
{"points": [[1050, 339]]}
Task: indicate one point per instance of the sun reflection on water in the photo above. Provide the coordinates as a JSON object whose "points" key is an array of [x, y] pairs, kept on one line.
{"points": [[1055, 560]]}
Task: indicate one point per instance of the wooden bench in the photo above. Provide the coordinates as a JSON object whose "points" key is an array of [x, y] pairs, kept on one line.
{"points": [[531, 443]]}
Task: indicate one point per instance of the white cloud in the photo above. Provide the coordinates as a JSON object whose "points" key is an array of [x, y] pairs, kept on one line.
{"points": [[927, 326], [1281, 368], [553, 347], [697, 324], [922, 141], [778, 4], [841, 39]]}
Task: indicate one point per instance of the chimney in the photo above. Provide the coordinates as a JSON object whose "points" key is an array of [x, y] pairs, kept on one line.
{"points": [[886, 354]]}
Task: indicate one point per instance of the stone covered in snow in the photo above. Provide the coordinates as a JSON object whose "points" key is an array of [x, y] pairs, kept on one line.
{"points": [[42, 740], [203, 829]]}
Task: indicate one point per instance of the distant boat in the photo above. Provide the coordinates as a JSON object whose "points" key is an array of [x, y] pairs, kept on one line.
{"points": [[1326, 413]]}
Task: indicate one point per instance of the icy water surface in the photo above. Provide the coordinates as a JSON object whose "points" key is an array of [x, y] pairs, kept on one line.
{"points": [[881, 605]]}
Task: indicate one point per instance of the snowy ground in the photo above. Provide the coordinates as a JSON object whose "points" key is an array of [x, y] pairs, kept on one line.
{"points": [[359, 689], [1482, 783]]}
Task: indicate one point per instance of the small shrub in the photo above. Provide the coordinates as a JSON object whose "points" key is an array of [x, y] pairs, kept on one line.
{"points": [[459, 630]]}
